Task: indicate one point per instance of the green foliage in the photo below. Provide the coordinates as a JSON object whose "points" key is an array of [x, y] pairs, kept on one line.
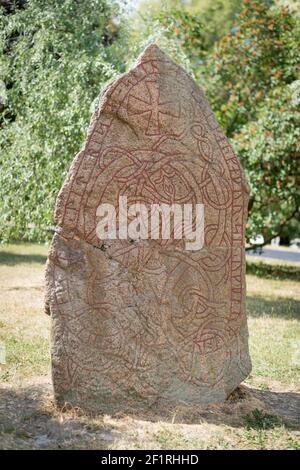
{"points": [[189, 32], [259, 55], [251, 78], [219, 15], [252, 82], [192, 15], [269, 151], [155, 25], [258, 419], [272, 271], [25, 357], [291, 229], [54, 58]]}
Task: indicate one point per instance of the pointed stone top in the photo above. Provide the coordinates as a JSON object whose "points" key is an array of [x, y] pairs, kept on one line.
{"points": [[153, 52], [138, 315]]}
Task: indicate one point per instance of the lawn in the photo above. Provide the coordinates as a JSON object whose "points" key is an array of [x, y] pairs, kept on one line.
{"points": [[262, 413]]}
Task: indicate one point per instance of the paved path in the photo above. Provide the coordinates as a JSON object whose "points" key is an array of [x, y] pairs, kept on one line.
{"points": [[284, 255]]}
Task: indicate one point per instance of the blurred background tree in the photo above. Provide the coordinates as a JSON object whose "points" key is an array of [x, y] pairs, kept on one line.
{"points": [[217, 16], [252, 81], [57, 54], [54, 58]]}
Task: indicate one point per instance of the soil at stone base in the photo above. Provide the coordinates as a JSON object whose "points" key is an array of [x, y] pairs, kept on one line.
{"points": [[30, 420]]}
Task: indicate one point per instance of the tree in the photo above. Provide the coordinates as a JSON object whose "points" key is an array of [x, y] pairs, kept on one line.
{"points": [[55, 55], [251, 78], [217, 16], [252, 81]]}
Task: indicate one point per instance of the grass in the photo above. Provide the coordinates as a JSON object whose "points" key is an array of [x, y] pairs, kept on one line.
{"points": [[273, 307], [257, 419], [25, 358], [264, 416], [24, 329], [273, 269], [23, 253]]}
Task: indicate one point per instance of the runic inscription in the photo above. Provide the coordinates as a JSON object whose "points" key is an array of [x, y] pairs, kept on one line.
{"points": [[138, 320]]}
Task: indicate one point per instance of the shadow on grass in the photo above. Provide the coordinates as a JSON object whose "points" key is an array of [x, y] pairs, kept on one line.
{"points": [[273, 271], [12, 259], [285, 406], [280, 308], [29, 420]]}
